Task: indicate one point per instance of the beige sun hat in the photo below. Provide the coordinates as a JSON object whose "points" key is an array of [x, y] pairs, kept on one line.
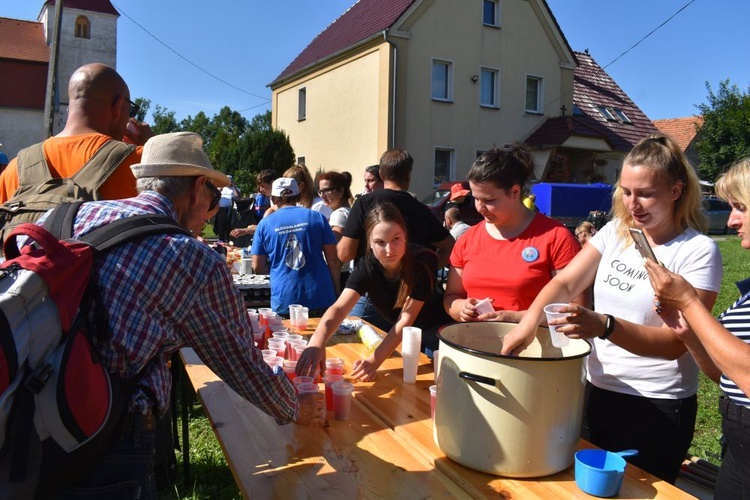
{"points": [[178, 154]]}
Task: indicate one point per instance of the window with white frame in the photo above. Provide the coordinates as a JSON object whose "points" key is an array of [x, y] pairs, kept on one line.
{"points": [[533, 94], [443, 165], [489, 88], [491, 13], [442, 80], [302, 104]]}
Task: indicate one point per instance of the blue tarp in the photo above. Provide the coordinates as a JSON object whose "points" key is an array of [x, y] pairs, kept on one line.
{"points": [[572, 200]]}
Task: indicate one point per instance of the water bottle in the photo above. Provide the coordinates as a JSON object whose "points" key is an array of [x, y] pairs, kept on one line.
{"points": [[370, 338]]}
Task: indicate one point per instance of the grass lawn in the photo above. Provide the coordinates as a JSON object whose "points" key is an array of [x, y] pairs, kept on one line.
{"points": [[211, 478]]}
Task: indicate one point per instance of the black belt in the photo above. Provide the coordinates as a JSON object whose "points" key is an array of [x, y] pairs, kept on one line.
{"points": [[734, 412]]}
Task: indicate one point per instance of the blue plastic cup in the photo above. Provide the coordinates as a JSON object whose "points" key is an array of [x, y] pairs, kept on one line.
{"points": [[599, 472]]}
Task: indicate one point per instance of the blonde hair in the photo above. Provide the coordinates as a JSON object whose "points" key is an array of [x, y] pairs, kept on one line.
{"points": [[662, 155], [304, 180], [734, 185]]}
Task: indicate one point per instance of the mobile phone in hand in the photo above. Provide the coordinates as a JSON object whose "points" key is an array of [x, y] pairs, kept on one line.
{"points": [[642, 245]]}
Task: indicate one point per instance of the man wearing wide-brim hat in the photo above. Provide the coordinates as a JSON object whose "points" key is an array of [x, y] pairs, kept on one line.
{"points": [[167, 291]]}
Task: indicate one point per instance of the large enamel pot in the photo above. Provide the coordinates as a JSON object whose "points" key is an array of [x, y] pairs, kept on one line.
{"points": [[509, 416]]}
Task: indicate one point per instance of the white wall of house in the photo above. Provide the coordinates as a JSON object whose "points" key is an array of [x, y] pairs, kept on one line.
{"points": [[19, 128], [344, 125], [454, 32]]}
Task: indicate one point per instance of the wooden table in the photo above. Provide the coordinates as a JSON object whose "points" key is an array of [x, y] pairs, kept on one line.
{"points": [[385, 450]]}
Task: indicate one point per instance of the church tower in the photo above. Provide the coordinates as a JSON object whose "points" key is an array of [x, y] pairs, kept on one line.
{"points": [[88, 33]]}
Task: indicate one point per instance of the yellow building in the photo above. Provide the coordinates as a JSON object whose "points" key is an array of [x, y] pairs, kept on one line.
{"points": [[443, 79]]}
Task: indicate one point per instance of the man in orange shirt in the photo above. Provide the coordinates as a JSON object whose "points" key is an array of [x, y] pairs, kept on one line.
{"points": [[99, 110]]}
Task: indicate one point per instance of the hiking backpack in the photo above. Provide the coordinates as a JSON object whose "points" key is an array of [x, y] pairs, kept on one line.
{"points": [[54, 393], [39, 192]]}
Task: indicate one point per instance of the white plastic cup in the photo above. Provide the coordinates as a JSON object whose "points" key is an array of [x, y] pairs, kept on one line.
{"points": [[559, 339], [433, 401], [484, 306], [246, 266], [303, 315], [411, 344], [436, 362], [293, 309], [302, 379], [342, 399]]}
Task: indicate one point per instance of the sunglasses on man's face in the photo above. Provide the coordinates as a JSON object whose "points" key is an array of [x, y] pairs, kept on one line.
{"points": [[215, 196], [134, 108]]}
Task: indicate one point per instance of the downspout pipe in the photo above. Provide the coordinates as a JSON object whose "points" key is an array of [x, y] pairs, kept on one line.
{"points": [[392, 104]]}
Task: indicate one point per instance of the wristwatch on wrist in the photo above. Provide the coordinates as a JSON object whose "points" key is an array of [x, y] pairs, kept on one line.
{"points": [[609, 327]]}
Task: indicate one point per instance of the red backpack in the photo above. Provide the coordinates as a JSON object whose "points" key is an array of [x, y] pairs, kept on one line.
{"points": [[54, 393]]}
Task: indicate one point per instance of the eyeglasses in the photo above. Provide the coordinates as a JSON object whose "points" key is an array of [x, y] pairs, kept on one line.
{"points": [[134, 108], [325, 191], [216, 196]]}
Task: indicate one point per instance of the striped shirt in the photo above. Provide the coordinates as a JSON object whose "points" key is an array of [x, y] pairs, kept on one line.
{"points": [[736, 319], [164, 292]]}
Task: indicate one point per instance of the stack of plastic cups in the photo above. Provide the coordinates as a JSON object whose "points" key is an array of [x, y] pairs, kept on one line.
{"points": [[293, 308], [289, 368], [298, 347], [303, 315], [278, 345], [274, 361], [310, 387], [290, 339], [302, 379], [268, 353], [329, 380], [334, 366], [411, 344], [265, 314], [342, 399]]}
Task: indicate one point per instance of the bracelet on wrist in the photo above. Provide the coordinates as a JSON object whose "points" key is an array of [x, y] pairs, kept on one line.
{"points": [[609, 327]]}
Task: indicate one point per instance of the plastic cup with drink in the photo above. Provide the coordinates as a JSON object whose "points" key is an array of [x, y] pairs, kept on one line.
{"points": [[342, 399], [553, 311], [329, 380]]}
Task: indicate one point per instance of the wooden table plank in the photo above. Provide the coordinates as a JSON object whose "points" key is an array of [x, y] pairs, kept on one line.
{"points": [[358, 458], [406, 409]]}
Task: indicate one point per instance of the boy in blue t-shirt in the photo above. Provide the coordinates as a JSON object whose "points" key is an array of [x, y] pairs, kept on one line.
{"points": [[262, 200]]}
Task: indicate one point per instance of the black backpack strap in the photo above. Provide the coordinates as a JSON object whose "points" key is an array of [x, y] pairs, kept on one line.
{"points": [[60, 220], [60, 223]]}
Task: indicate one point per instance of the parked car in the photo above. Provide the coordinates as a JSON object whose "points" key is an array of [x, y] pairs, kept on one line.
{"points": [[438, 202], [717, 214]]}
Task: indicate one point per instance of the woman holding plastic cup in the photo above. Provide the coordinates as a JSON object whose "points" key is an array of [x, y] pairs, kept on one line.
{"points": [[499, 265], [400, 281], [642, 380]]}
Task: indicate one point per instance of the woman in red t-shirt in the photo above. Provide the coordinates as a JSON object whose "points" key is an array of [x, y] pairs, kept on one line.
{"points": [[514, 252]]}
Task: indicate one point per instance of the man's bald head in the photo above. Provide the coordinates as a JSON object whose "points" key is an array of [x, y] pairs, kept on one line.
{"points": [[98, 101], [96, 81]]}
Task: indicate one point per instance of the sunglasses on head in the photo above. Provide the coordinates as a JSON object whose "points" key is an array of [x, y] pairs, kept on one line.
{"points": [[134, 108], [215, 196]]}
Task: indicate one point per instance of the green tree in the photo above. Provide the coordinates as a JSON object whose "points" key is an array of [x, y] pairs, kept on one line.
{"points": [[164, 121], [725, 135], [143, 106]]}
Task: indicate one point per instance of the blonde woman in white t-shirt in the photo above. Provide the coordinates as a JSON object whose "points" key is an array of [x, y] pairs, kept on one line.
{"points": [[642, 380]]}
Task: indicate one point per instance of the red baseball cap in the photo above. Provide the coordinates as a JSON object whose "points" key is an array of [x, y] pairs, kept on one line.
{"points": [[459, 190]]}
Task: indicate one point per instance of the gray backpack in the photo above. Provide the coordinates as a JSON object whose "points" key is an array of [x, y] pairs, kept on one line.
{"points": [[39, 192]]}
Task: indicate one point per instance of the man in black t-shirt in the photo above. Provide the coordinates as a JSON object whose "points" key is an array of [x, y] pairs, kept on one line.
{"points": [[423, 228]]}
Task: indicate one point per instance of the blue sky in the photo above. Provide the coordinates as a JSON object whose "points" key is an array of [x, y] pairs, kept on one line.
{"points": [[247, 43]]}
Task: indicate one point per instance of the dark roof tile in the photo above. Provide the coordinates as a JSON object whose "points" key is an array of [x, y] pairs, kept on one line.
{"points": [[103, 6], [360, 22]]}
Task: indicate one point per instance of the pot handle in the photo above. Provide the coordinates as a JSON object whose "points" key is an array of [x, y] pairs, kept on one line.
{"points": [[477, 378]]}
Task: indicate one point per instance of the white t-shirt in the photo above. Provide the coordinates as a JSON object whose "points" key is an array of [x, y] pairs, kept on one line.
{"points": [[338, 219], [318, 205], [622, 289]]}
